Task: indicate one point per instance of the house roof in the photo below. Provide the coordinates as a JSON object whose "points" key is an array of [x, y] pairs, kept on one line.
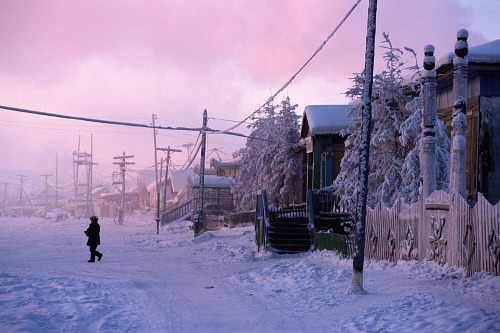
{"points": [[225, 165], [208, 171], [488, 53], [325, 119], [179, 178], [211, 181]]}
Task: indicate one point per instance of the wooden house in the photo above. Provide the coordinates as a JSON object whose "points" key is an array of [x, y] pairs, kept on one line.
{"points": [[483, 116], [325, 146], [176, 180]]}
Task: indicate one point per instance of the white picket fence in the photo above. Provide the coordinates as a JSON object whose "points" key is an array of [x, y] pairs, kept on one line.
{"points": [[446, 229]]}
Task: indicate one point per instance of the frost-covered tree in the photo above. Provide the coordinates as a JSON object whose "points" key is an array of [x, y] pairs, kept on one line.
{"points": [[397, 106], [273, 166]]}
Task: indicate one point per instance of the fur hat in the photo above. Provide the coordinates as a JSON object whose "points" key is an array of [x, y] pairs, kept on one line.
{"points": [[94, 219]]}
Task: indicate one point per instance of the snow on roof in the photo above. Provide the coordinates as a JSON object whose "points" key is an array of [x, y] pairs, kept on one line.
{"points": [[325, 119], [212, 181], [179, 178], [225, 165], [488, 53]]}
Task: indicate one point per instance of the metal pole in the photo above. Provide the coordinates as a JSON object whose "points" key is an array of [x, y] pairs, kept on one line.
{"points": [[198, 224]]}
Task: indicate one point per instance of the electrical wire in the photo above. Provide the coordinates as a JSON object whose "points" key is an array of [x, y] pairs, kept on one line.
{"points": [[205, 129], [270, 99], [194, 156]]}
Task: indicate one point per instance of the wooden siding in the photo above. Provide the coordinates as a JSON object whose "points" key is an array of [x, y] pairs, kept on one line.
{"points": [[473, 129]]}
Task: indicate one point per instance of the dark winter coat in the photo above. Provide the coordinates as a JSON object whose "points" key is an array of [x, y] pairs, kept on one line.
{"points": [[93, 234]]}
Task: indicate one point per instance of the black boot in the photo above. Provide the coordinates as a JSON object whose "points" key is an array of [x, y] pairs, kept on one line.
{"points": [[99, 256]]}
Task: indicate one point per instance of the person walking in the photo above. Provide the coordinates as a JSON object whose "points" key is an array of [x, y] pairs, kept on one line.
{"points": [[94, 239]]}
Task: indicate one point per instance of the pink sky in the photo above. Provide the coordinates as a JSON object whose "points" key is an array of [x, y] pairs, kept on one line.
{"points": [[124, 60]]}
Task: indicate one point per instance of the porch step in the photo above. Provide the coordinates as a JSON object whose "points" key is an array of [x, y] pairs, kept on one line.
{"points": [[289, 235]]}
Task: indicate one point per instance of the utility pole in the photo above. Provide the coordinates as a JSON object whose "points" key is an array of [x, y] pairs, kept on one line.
{"points": [[56, 202], [83, 159], [89, 210], [168, 150], [123, 163], [157, 219], [21, 178], [46, 191], [198, 224], [4, 196], [364, 161]]}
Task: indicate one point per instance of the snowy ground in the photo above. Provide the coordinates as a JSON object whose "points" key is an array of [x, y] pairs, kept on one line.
{"points": [[218, 283]]}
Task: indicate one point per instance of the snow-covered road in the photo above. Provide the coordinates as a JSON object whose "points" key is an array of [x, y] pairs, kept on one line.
{"points": [[218, 283]]}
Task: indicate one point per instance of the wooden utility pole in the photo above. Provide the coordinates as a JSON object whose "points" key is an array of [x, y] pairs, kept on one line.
{"points": [[4, 196], [157, 219], [56, 202], [46, 191], [198, 224], [364, 163], [89, 209], [122, 163], [168, 150], [86, 160], [21, 179]]}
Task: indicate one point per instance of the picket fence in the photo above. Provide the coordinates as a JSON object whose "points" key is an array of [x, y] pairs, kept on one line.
{"points": [[443, 228]]}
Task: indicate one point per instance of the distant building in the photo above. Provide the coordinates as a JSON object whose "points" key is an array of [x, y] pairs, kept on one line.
{"points": [[176, 181], [225, 168]]}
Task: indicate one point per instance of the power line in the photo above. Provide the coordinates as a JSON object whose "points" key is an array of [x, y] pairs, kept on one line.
{"points": [[94, 120], [270, 99]]}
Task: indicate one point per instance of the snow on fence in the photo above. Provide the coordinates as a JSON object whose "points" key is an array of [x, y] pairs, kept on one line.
{"points": [[446, 230]]}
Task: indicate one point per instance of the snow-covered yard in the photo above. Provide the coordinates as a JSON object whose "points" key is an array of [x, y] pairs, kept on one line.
{"points": [[218, 283]]}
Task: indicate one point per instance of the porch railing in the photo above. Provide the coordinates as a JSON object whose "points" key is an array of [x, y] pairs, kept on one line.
{"points": [[177, 212], [212, 205]]}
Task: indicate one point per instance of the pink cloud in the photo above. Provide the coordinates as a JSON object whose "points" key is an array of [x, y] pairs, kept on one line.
{"points": [[268, 38], [129, 58]]}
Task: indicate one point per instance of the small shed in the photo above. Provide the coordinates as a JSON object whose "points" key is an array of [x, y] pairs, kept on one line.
{"points": [[321, 128], [217, 192]]}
